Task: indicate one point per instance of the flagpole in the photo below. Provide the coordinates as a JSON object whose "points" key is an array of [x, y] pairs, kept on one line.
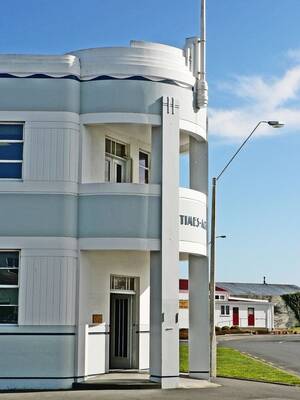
{"points": [[201, 84]]}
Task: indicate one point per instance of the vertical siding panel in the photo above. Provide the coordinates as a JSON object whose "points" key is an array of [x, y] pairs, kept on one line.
{"points": [[66, 158], [36, 289], [29, 298], [26, 290], [74, 289], [22, 292], [71, 292], [48, 291], [42, 298], [51, 271], [51, 154], [62, 155], [65, 290], [75, 155], [46, 136]]}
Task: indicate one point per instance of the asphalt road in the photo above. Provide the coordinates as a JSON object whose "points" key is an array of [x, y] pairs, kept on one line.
{"points": [[283, 351], [230, 390]]}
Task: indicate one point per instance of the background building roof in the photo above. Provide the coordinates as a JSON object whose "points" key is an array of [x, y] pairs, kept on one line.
{"points": [[257, 289]]}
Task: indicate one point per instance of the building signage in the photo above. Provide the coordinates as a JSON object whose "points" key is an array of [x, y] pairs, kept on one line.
{"points": [[192, 221], [196, 222]]}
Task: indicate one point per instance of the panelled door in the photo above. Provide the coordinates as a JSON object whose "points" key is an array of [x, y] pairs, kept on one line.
{"points": [[251, 318], [235, 316], [121, 330], [115, 170]]}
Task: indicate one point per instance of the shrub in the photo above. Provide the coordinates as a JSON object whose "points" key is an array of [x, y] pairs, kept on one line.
{"points": [[225, 328], [293, 301]]}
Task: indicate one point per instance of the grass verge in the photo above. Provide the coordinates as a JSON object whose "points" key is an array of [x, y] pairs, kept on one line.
{"points": [[233, 364]]}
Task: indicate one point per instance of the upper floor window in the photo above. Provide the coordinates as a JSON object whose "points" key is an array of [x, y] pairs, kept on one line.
{"points": [[116, 161], [9, 287], [11, 151], [144, 167]]}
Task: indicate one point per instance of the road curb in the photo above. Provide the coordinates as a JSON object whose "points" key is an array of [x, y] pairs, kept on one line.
{"points": [[254, 380]]}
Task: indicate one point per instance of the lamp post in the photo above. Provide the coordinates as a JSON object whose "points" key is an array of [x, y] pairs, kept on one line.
{"points": [[213, 347]]}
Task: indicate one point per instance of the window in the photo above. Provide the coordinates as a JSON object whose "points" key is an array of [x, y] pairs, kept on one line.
{"points": [[115, 161], [225, 310], [217, 297], [11, 151], [121, 283], [144, 167], [115, 148], [9, 287]]}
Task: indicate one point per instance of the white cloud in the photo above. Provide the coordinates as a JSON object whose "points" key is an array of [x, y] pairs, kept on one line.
{"points": [[294, 54], [260, 99]]}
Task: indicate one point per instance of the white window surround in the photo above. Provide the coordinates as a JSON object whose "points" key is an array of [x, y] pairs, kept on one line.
{"points": [[7, 141], [225, 310], [116, 161], [10, 286], [120, 284], [145, 168]]}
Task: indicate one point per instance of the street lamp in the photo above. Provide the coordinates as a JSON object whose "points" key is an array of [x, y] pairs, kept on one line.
{"points": [[220, 237], [213, 350]]}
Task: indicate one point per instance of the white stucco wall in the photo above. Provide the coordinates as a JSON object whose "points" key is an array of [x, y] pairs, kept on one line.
{"points": [[96, 267]]}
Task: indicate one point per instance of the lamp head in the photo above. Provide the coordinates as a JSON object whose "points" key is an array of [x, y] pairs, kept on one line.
{"points": [[276, 124]]}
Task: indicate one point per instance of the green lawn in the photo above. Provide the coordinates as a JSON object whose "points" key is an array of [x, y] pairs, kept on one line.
{"points": [[233, 364]]}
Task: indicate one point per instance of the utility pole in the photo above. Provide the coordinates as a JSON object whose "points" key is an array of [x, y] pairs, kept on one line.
{"points": [[212, 285], [213, 344]]}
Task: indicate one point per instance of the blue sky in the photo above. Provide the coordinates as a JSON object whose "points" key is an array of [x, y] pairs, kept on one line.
{"points": [[253, 70]]}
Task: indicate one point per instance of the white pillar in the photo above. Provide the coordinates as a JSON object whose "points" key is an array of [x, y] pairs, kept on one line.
{"points": [[198, 317], [164, 270], [198, 165], [198, 275]]}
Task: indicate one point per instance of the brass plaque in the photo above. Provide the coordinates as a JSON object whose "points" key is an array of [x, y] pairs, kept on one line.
{"points": [[183, 304], [97, 318]]}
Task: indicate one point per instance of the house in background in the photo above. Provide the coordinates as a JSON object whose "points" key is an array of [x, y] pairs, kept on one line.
{"points": [[231, 310], [284, 315]]}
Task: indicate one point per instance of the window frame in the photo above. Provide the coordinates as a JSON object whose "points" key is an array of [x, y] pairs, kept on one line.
{"points": [[112, 155], [226, 308], [148, 154], [128, 281], [12, 286], [13, 141], [113, 159]]}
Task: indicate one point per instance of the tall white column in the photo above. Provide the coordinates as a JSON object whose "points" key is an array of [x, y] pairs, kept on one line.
{"points": [[164, 271], [198, 275], [198, 317]]}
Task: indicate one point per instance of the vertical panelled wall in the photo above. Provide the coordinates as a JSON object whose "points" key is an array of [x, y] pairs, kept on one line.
{"points": [[48, 272], [47, 289], [51, 151]]}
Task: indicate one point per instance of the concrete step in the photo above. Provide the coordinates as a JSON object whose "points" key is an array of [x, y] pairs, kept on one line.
{"points": [[116, 384]]}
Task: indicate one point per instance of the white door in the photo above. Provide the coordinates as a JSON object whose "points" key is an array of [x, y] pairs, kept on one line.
{"points": [[115, 170]]}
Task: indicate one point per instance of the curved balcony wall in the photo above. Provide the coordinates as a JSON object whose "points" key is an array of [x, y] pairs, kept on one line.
{"points": [[119, 216], [127, 216], [132, 80]]}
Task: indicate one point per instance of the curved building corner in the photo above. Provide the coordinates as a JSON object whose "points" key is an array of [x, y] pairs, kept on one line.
{"points": [[93, 221]]}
